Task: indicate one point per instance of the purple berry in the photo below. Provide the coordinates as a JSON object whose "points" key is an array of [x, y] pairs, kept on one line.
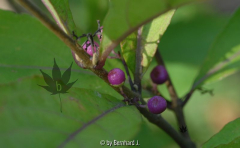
{"points": [[159, 74], [116, 77], [157, 105], [87, 46]]}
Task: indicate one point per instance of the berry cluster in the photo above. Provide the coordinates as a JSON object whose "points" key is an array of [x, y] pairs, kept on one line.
{"points": [[157, 104], [90, 46], [116, 76]]}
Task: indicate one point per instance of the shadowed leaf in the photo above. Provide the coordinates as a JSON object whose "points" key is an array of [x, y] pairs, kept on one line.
{"points": [[87, 114], [223, 57]]}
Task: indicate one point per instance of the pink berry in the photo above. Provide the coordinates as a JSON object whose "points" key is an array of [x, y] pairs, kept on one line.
{"points": [[159, 74], [157, 105], [87, 46], [116, 77]]}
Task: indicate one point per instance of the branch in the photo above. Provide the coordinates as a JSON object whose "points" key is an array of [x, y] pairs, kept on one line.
{"points": [[164, 125], [102, 73], [176, 103], [138, 68], [127, 71], [169, 84], [188, 96]]}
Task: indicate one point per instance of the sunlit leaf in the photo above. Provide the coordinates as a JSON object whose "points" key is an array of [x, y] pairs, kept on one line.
{"points": [[128, 15], [151, 34], [227, 137]]}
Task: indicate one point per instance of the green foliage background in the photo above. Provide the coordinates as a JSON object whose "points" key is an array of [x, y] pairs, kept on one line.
{"points": [[184, 46]]}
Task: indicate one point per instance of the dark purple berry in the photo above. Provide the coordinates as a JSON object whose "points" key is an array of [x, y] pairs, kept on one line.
{"points": [[157, 105], [159, 74], [116, 77]]}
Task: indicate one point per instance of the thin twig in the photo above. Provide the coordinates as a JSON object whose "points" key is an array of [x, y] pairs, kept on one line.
{"points": [[127, 71], [176, 103], [161, 123], [188, 96], [169, 84], [138, 66]]}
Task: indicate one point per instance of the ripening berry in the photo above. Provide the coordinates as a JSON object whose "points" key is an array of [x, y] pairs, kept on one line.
{"points": [[157, 105], [116, 77], [87, 46], [159, 74]]}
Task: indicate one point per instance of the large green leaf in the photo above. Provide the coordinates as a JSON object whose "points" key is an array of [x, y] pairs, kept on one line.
{"points": [[27, 46], [151, 34], [223, 57], [229, 136], [127, 16], [31, 116]]}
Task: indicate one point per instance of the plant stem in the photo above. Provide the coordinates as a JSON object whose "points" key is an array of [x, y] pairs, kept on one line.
{"points": [[164, 125], [176, 103], [188, 96], [102, 73], [169, 84], [138, 66], [128, 74]]}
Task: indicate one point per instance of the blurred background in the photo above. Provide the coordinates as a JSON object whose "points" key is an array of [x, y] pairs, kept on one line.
{"points": [[184, 47]]}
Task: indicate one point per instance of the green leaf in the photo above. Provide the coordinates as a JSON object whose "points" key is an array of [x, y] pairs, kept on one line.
{"points": [[31, 117], [151, 34], [127, 16], [234, 144], [128, 48], [227, 137], [223, 57], [62, 14]]}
